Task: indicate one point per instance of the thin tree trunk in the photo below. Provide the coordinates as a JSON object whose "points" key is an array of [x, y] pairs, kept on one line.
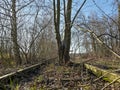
{"points": [[67, 37], [118, 25], [57, 29], [14, 34]]}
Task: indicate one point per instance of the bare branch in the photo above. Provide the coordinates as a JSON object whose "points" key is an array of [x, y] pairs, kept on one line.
{"points": [[104, 12], [104, 34], [24, 6], [5, 8], [96, 37], [78, 11], [7, 3], [39, 32], [5, 14]]}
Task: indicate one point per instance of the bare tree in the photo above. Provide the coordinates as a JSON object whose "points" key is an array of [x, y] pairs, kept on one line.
{"points": [[64, 46], [14, 34]]}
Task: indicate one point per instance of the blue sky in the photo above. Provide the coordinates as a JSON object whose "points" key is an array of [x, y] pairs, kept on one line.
{"points": [[108, 6]]}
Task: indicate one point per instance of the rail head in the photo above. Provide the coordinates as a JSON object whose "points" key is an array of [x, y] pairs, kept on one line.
{"points": [[22, 70]]}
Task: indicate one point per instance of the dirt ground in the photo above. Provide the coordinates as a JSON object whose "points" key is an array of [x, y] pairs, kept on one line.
{"points": [[55, 77]]}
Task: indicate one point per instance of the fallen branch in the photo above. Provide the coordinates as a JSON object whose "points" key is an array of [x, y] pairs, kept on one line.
{"points": [[105, 74], [96, 37]]}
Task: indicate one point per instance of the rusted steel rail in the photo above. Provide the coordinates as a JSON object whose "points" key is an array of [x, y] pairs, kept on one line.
{"points": [[17, 75]]}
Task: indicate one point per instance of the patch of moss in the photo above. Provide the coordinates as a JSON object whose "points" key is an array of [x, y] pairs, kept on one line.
{"points": [[40, 78], [87, 87], [106, 79]]}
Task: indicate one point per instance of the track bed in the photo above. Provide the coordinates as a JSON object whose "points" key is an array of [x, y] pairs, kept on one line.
{"points": [[56, 77]]}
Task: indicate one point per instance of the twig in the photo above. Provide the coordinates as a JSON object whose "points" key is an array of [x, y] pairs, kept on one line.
{"points": [[99, 40], [110, 83]]}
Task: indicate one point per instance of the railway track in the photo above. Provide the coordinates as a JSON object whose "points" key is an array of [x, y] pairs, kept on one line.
{"points": [[67, 76], [14, 78], [74, 77]]}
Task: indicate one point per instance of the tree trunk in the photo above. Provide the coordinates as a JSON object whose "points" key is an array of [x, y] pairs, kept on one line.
{"points": [[118, 25], [14, 34], [67, 37], [57, 29], [93, 45], [63, 49]]}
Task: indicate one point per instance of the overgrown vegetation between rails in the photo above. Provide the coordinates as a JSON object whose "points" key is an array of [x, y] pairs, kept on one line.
{"points": [[64, 77]]}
